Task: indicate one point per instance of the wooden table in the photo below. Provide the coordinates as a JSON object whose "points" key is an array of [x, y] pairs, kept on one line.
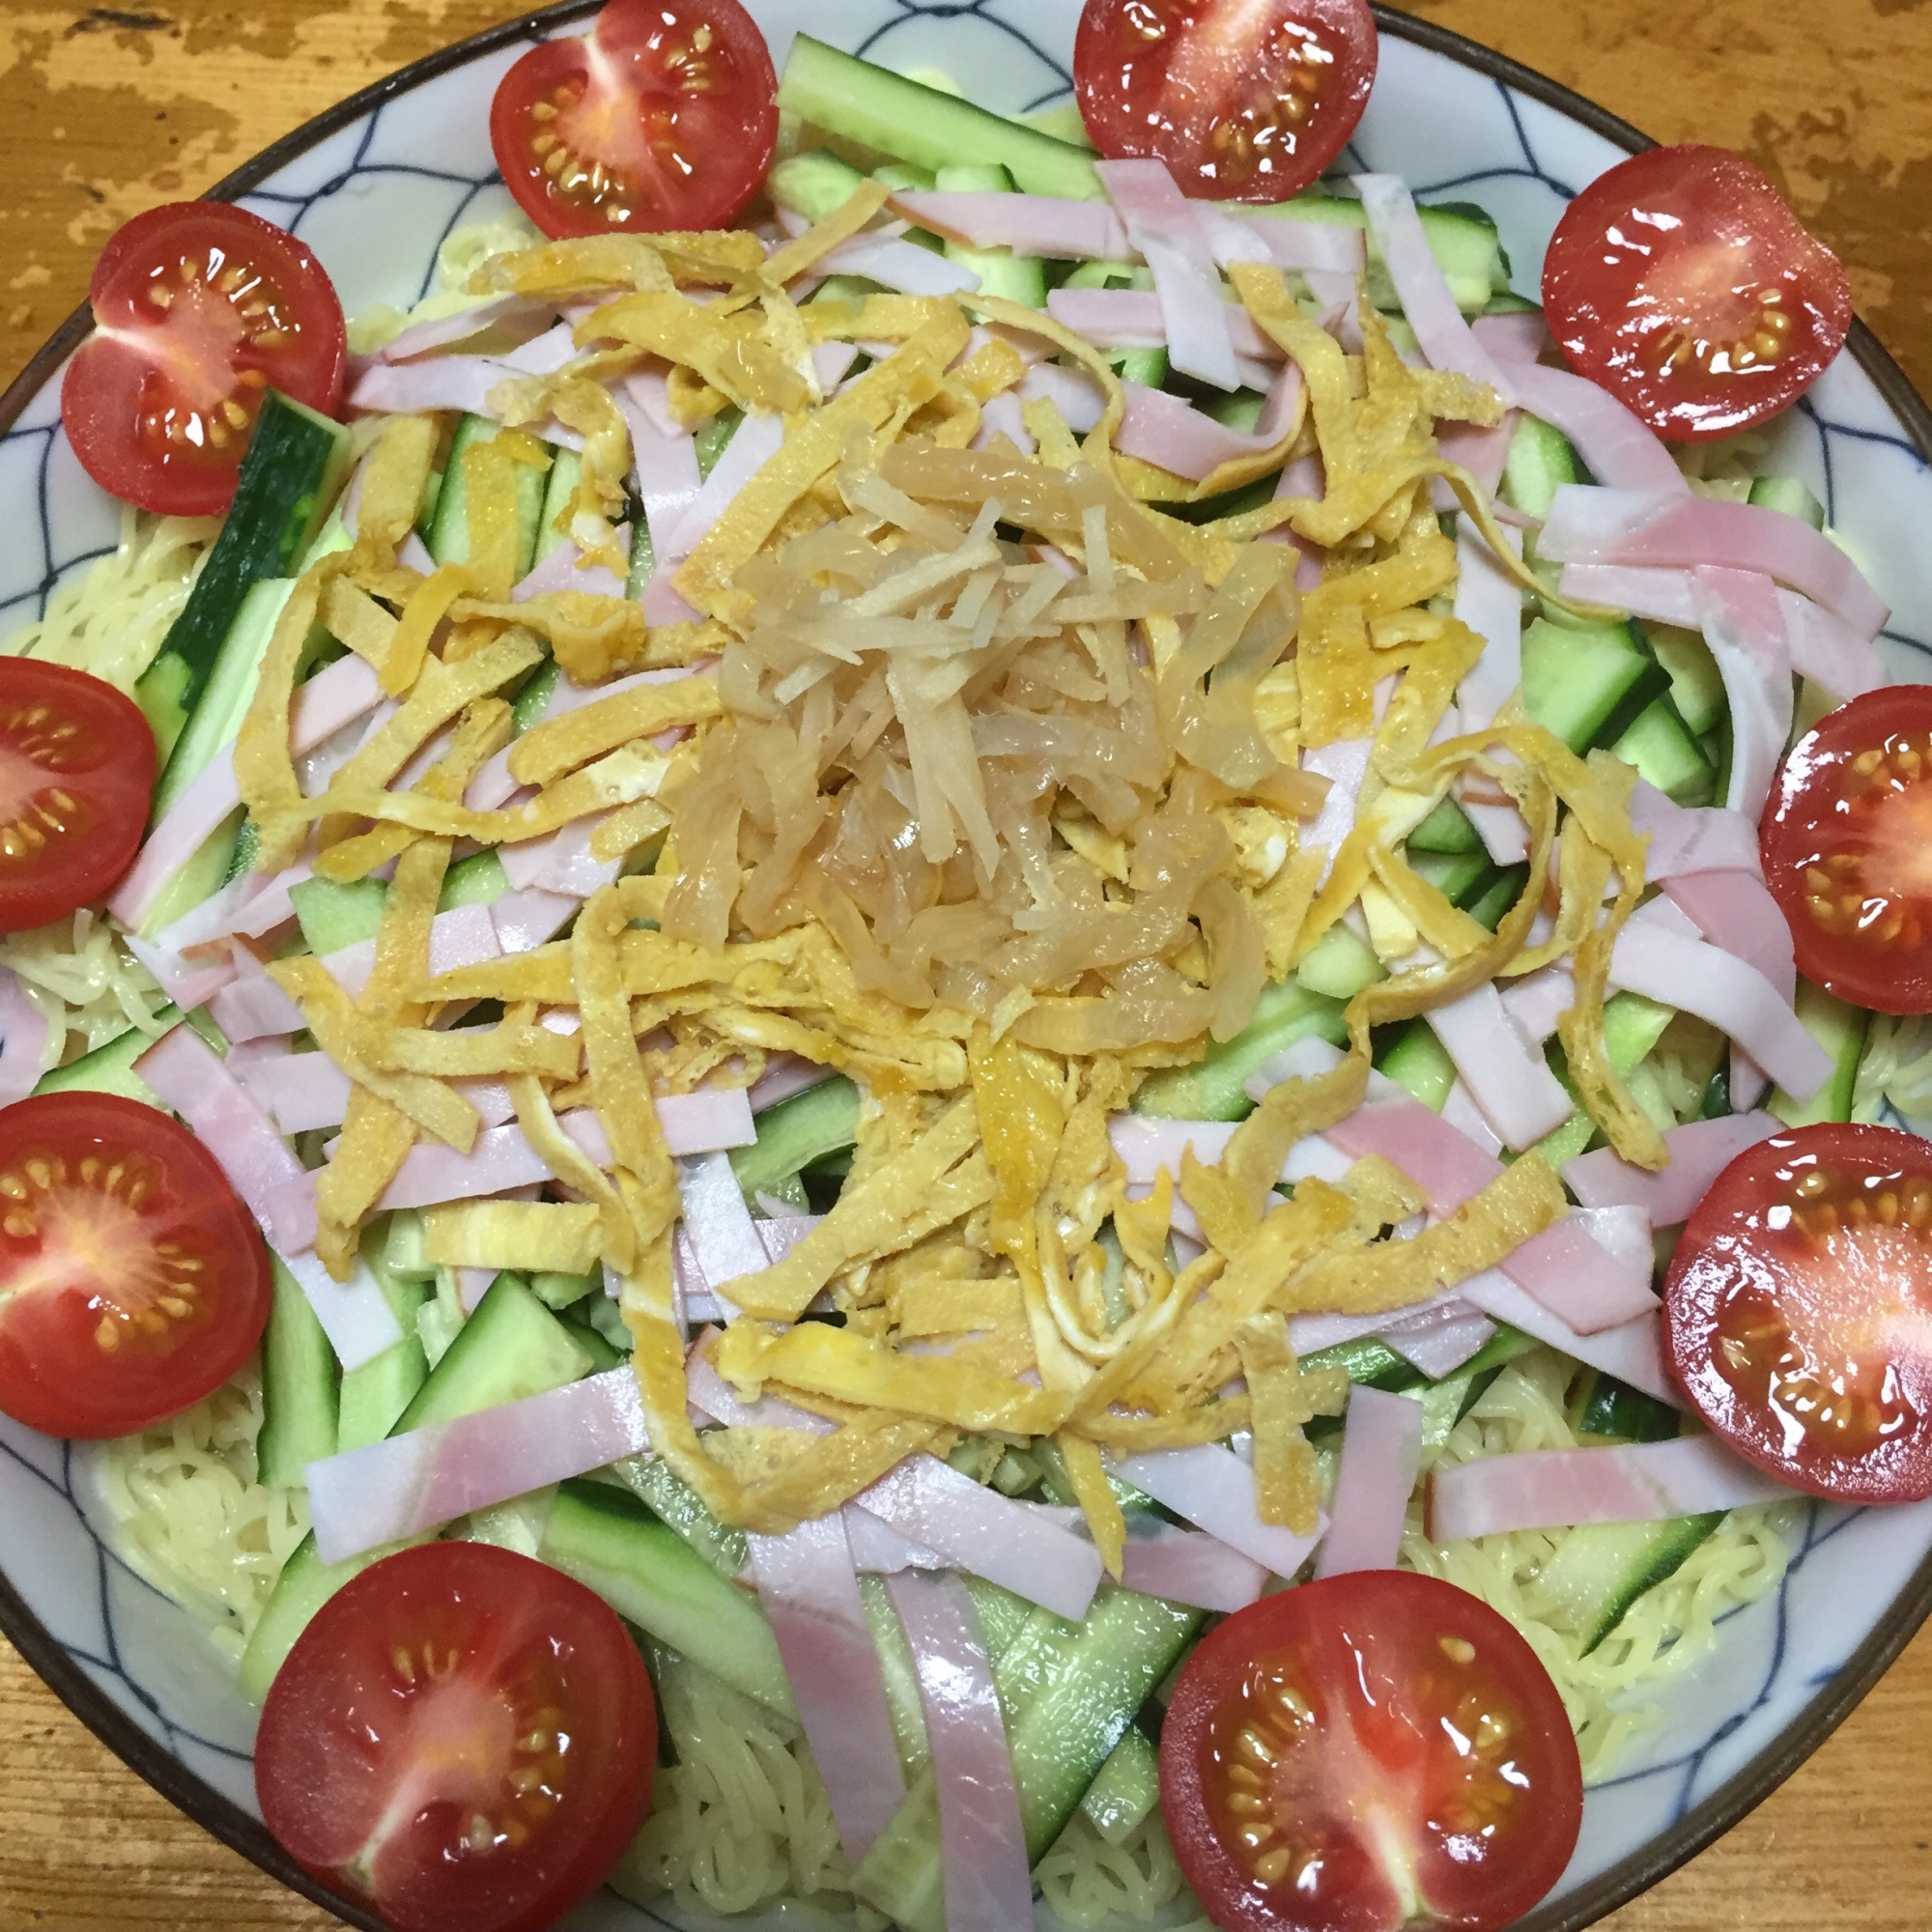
{"points": [[107, 111]]}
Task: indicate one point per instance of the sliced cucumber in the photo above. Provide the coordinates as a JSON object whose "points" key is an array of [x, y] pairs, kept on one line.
{"points": [[1840, 1029], [1489, 899], [333, 916], [1214, 1088], [1016, 278], [822, 1120], [1600, 1570], [374, 1396], [710, 440], [815, 184], [1418, 1062], [899, 1674], [1788, 495], [1696, 684], [1540, 462], [110, 1069], [1123, 1795], [885, 112], [477, 880], [294, 468], [306, 1584], [1462, 237], [566, 468], [674, 1502], [1667, 754], [511, 1348], [1601, 1405], [1340, 964], [1446, 829], [1632, 1026], [1588, 685], [300, 1387], [448, 538], [1453, 875], [609, 1541]]}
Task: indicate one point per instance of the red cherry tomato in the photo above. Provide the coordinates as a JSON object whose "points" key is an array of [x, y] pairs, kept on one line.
{"points": [[76, 778], [665, 118], [199, 307], [463, 1737], [1243, 99], [1682, 283], [133, 1282], [1846, 840], [1797, 1310], [1374, 1750]]}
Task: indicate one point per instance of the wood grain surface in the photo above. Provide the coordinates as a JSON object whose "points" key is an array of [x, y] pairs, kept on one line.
{"points": [[108, 110]]}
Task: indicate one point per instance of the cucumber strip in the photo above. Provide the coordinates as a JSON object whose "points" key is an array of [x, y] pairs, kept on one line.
{"points": [[1604, 1406], [643, 560], [1446, 829], [300, 1386], [677, 1505], [1462, 237], [708, 443], [511, 1348], [1667, 754], [333, 916], [821, 1121], [1588, 685], [477, 880], [1696, 685], [901, 1676], [815, 184], [1840, 1029], [403, 1252], [1017, 278], [1122, 1798], [885, 112], [1538, 463], [1632, 1026], [529, 705], [291, 474], [1109, 275], [448, 538], [566, 467], [1419, 1062], [306, 1584], [110, 1069], [610, 1542], [1788, 495], [374, 1396], [1599, 1570], [1214, 1088], [1456, 875], [1340, 964]]}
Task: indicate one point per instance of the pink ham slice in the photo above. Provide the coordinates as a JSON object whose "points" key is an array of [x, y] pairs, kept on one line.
{"points": [[1739, 614], [725, 1242], [786, 1074], [1551, 1489], [1734, 997], [1327, 247], [1440, 1341], [811, 1592], [426, 1477], [1030, 224], [1483, 452], [1381, 1453], [1512, 1086], [500, 1159], [1071, 392], [1585, 1269], [564, 569], [1187, 1566], [524, 921], [1015, 1544], [1538, 1000], [1588, 524], [252, 1005], [1167, 431], [24, 1033], [1632, 1353], [188, 982], [1489, 601], [900, 265], [1212, 1488], [1699, 1152], [1421, 286], [982, 1840], [1693, 839], [421, 337], [1736, 911], [1162, 225], [710, 1393], [1131, 319], [1345, 765], [464, 936], [1446, 1165]]}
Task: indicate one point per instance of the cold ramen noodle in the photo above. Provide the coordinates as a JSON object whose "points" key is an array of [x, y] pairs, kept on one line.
{"points": [[963, 919]]}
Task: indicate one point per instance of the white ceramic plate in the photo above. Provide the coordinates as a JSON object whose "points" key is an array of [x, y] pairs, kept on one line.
{"points": [[374, 186]]}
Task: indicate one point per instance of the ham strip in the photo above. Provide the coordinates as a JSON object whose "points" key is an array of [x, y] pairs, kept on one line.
{"points": [[1734, 997], [252, 1005], [982, 1840], [1515, 1089], [1584, 1271], [1421, 288], [1029, 224], [1738, 615], [1165, 430], [427, 1477], [1211, 1488], [1826, 649], [1588, 524], [421, 337], [564, 569], [1552, 1489], [1439, 1340], [811, 1592], [1632, 1353], [1618, 446], [1163, 227], [500, 1159], [1446, 1165], [1328, 247], [723, 1242], [1345, 765], [1693, 839], [463, 936], [1131, 319], [900, 265], [1736, 911], [1185, 1566], [1489, 601], [879, 1550], [1381, 1453], [24, 1034], [1538, 1000], [1015, 1544], [1699, 1152]]}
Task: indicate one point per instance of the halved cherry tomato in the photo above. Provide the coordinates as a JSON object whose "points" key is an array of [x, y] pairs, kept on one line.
{"points": [[664, 118], [1243, 99], [1373, 1751], [1797, 1310], [1846, 840], [1681, 281], [463, 1737], [76, 778], [133, 1282], [198, 308]]}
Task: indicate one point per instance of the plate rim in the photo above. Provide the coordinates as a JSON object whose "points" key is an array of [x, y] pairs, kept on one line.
{"points": [[1691, 1833]]}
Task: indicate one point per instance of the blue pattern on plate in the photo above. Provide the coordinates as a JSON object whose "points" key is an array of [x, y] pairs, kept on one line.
{"points": [[418, 165]]}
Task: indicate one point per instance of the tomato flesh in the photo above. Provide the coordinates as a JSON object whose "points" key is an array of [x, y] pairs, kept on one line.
{"points": [[199, 309], [1681, 281], [1369, 1752], [76, 778], [664, 117], [1797, 1310], [1846, 840], [463, 1738], [1243, 99], [133, 1282]]}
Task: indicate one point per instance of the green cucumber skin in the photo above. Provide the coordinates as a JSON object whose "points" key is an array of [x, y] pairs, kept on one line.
{"points": [[110, 1069], [448, 539], [1213, 1089], [1600, 1570], [1841, 1030], [295, 465], [302, 1385], [511, 1348], [885, 112], [1124, 1794], [796, 1132]]}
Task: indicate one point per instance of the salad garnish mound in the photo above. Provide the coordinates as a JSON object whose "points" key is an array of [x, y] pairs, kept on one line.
{"points": [[896, 979]]}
